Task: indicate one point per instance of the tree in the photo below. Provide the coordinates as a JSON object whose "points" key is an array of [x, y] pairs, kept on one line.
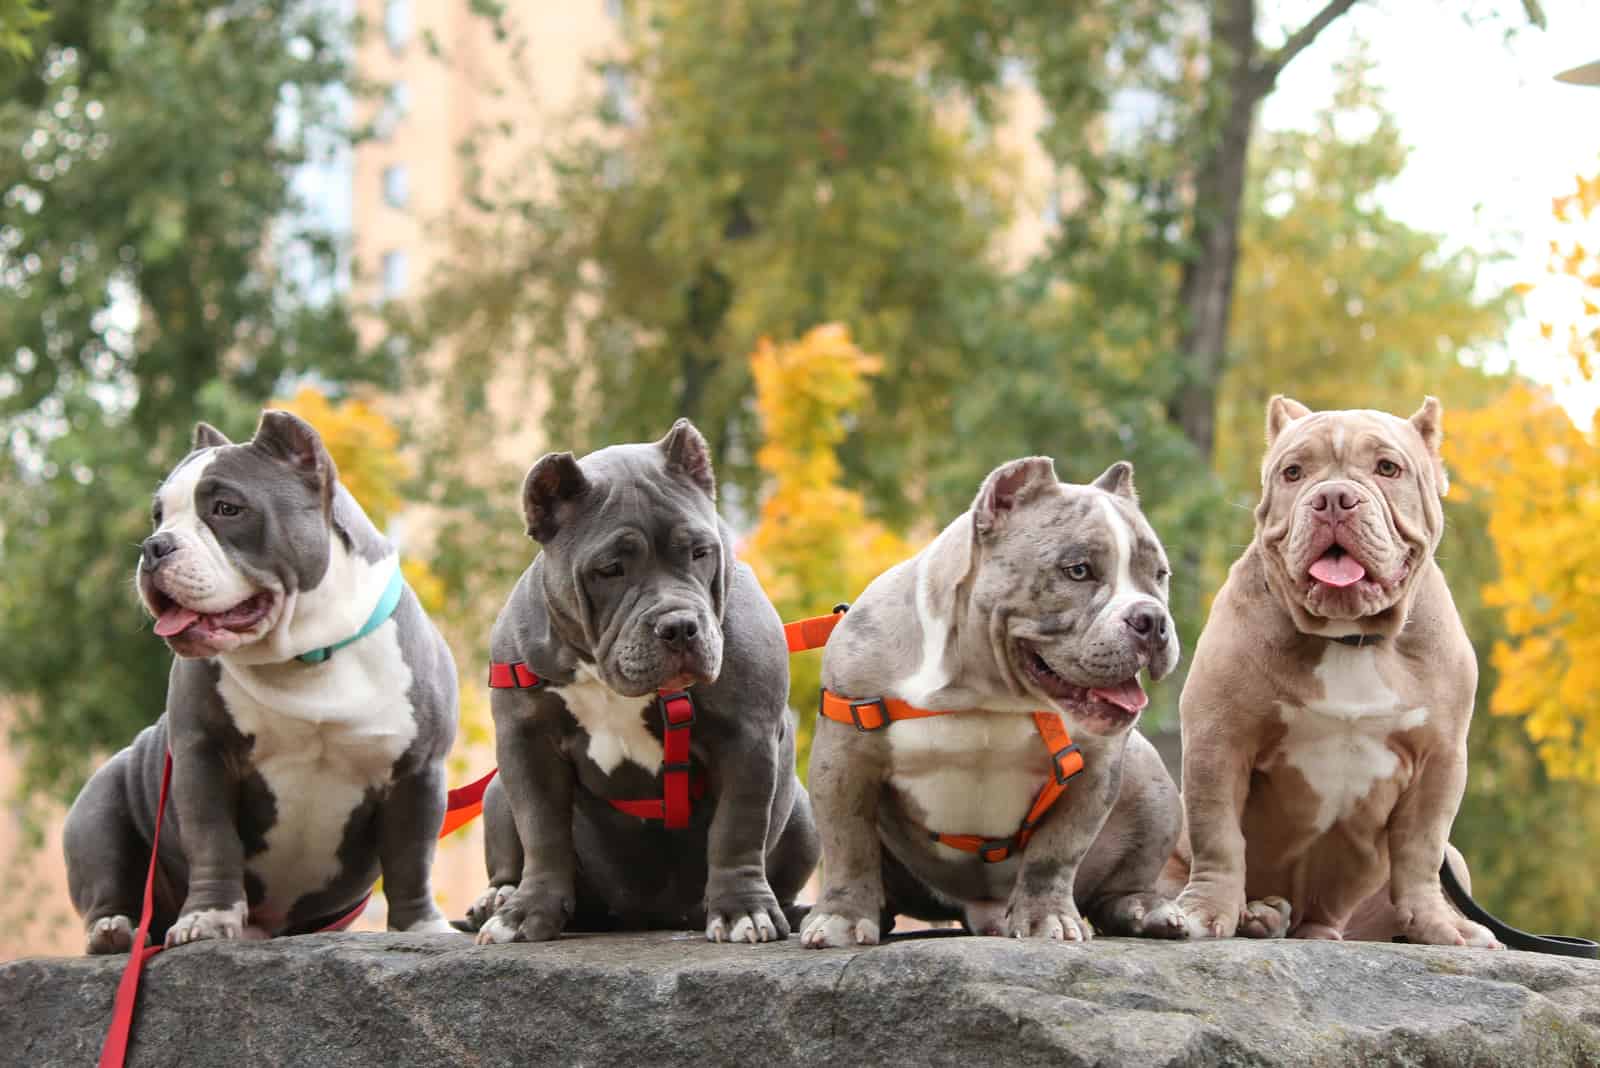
{"points": [[141, 227], [814, 544]]}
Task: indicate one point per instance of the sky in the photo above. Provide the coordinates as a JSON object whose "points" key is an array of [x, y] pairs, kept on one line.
{"points": [[1493, 137]]}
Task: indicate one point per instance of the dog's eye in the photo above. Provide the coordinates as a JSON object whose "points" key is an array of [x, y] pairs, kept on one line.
{"points": [[609, 571], [1163, 575], [1388, 469], [155, 515], [701, 552], [1292, 473], [1079, 572], [226, 509]]}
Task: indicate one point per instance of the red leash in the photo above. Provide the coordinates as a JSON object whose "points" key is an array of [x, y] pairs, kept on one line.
{"points": [[463, 806]]}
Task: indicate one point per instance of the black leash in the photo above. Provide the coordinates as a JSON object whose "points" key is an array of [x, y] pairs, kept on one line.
{"points": [[1561, 945]]}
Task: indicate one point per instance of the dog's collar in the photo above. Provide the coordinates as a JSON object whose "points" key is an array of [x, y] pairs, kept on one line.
{"points": [[380, 615], [1357, 640]]}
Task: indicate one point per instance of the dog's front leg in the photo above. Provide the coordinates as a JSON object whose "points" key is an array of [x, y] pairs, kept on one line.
{"points": [[538, 782], [1042, 902], [408, 829], [206, 797], [848, 769], [1216, 785], [740, 904], [1418, 829]]}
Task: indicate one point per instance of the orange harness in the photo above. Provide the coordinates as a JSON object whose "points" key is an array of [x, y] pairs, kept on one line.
{"points": [[876, 713]]}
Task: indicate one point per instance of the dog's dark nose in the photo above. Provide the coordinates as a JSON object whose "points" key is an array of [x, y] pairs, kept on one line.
{"points": [[156, 548], [1148, 622], [678, 629], [1336, 500]]}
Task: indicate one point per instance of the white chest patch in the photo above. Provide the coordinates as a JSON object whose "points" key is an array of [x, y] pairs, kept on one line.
{"points": [[615, 724], [324, 736], [1340, 741], [971, 773]]}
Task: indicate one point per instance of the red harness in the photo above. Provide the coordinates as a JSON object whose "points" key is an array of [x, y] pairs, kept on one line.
{"points": [[678, 786]]}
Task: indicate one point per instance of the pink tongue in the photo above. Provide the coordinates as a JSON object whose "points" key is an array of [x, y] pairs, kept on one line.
{"points": [[1338, 570], [1128, 696], [175, 620]]}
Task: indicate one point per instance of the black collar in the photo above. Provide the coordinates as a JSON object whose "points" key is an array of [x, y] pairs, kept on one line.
{"points": [[1357, 639]]}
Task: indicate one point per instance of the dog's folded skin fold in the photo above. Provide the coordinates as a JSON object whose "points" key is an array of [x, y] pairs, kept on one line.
{"points": [[1320, 776], [1044, 597], [294, 785], [636, 591]]}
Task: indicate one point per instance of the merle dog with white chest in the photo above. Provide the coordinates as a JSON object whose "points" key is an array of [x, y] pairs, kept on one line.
{"points": [[309, 711], [640, 681]]}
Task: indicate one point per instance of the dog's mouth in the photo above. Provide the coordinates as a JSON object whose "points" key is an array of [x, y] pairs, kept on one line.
{"points": [[1339, 569], [1112, 706], [174, 621]]}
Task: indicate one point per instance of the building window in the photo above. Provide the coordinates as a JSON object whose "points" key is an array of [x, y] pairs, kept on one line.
{"points": [[396, 106], [397, 24], [396, 185], [617, 104], [394, 274]]}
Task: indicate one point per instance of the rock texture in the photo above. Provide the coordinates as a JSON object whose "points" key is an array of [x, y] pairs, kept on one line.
{"points": [[663, 999]]}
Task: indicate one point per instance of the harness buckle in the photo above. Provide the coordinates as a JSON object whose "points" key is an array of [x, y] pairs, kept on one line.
{"points": [[666, 699], [1058, 759], [874, 702], [995, 850]]}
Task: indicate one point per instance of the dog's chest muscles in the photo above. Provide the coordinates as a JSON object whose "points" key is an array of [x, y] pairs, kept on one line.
{"points": [[1341, 741], [324, 737], [615, 724], [969, 773]]}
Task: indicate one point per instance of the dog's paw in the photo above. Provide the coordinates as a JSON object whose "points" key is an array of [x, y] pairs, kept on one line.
{"points": [[488, 903], [110, 934], [1266, 918], [833, 930], [1206, 919], [752, 916], [1144, 915], [435, 924], [1443, 927], [207, 924], [522, 918], [1054, 918]]}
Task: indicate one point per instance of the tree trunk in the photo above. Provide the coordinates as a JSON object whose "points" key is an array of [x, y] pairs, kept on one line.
{"points": [[1207, 288]]}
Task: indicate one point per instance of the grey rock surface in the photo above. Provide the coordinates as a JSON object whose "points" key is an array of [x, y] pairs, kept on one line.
{"points": [[666, 999]]}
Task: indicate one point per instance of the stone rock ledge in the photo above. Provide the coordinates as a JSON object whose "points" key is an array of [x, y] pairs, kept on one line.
{"points": [[666, 999]]}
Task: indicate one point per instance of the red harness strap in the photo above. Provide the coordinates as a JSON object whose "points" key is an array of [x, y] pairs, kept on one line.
{"points": [[1066, 760], [678, 786]]}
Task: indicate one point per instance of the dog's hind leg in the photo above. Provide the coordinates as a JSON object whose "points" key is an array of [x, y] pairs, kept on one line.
{"points": [[107, 858], [502, 855]]}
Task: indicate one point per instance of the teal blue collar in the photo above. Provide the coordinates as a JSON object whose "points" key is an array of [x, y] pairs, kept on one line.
{"points": [[380, 615]]}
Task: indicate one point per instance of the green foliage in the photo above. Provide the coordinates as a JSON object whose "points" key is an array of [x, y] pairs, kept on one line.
{"points": [[142, 226]]}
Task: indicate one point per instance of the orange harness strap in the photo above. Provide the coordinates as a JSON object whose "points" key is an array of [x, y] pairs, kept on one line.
{"points": [[807, 634], [1066, 760]]}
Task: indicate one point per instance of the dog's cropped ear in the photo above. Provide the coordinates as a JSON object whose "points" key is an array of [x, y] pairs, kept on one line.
{"points": [[688, 455], [1281, 411], [291, 440], [1009, 486], [207, 436], [1118, 479], [549, 493], [1428, 421]]}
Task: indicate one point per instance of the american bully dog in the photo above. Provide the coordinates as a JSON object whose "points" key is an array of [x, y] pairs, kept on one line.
{"points": [[950, 690], [640, 688], [309, 711], [1325, 717]]}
